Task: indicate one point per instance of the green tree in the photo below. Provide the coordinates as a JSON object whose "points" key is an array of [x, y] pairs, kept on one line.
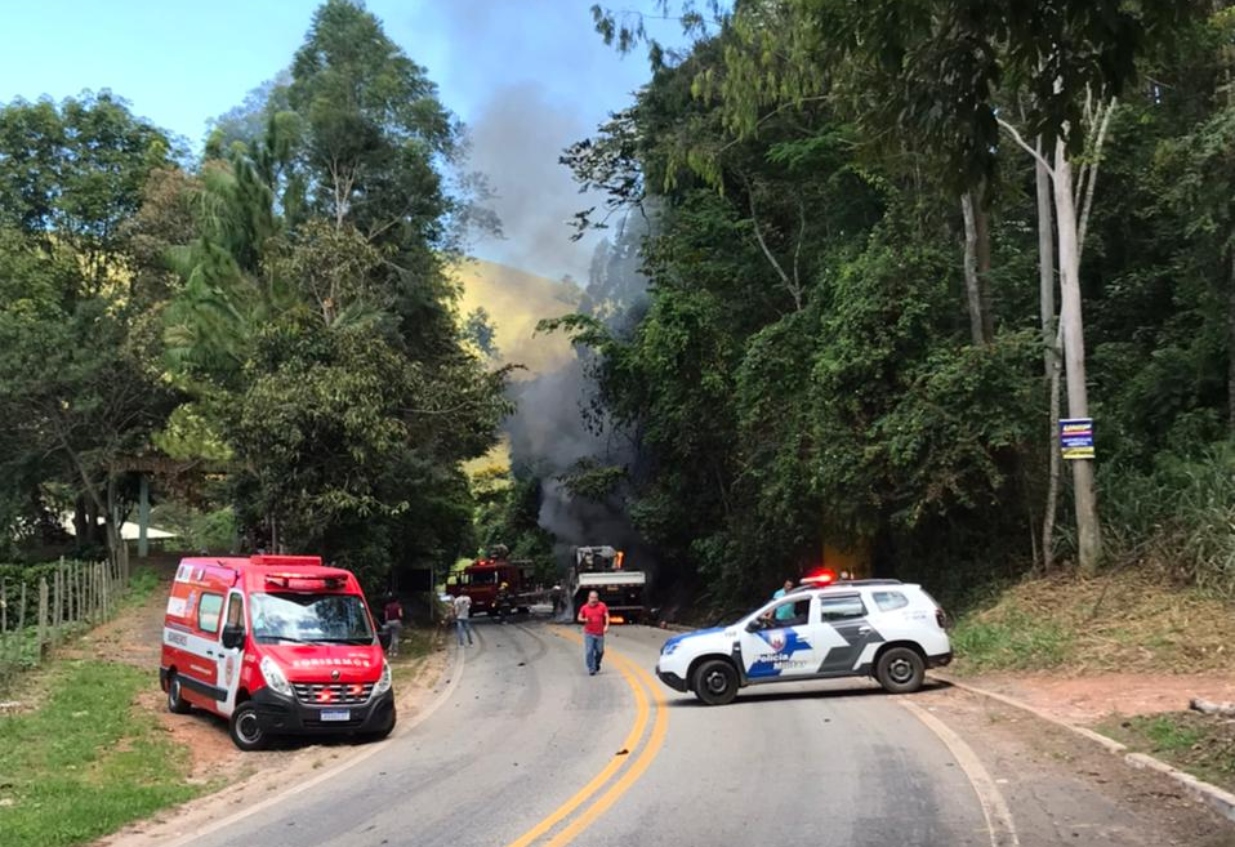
{"points": [[316, 325], [76, 375]]}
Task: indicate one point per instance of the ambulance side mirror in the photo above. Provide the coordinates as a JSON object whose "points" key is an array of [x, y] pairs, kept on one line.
{"points": [[233, 636], [383, 638]]}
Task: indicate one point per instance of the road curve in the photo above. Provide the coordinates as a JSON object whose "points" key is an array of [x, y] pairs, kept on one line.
{"points": [[530, 750]]}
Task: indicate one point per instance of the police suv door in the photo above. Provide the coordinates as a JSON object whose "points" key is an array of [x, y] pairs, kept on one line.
{"points": [[780, 643], [843, 633]]}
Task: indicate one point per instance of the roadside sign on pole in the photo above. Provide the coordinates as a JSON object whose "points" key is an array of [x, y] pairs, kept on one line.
{"points": [[1076, 438]]}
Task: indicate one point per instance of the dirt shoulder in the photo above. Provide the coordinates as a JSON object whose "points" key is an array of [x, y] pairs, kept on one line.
{"points": [[1061, 789], [226, 780], [1096, 698], [249, 780]]}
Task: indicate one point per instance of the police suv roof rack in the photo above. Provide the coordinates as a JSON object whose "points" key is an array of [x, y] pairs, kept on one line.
{"points": [[868, 582]]}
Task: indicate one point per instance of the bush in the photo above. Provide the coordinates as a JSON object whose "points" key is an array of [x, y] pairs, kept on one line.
{"points": [[1180, 514]]}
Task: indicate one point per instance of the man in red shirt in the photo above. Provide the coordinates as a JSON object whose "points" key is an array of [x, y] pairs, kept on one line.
{"points": [[594, 615]]}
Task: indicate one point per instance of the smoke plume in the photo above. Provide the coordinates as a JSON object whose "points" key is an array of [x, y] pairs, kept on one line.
{"points": [[559, 423], [538, 79]]}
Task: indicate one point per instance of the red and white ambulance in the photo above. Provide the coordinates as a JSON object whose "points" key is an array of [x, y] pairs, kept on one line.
{"points": [[278, 645]]}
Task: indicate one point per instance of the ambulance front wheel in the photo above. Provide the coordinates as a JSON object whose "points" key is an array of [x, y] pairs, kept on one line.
{"points": [[246, 730], [175, 701]]}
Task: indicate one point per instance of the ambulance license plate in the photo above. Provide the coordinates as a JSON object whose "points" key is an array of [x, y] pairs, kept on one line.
{"points": [[336, 715]]}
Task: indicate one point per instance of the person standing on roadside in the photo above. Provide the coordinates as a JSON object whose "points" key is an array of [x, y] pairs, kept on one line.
{"points": [[462, 606], [594, 615], [393, 613]]}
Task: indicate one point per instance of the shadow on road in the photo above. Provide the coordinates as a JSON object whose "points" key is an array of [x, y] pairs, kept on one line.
{"points": [[753, 698]]}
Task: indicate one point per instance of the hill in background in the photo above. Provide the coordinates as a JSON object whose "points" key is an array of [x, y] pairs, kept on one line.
{"points": [[515, 301]]}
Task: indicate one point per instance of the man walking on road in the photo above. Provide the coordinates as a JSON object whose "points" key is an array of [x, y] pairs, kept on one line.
{"points": [[594, 615], [463, 617]]}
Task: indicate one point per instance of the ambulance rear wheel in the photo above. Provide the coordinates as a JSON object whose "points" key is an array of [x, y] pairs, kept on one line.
{"points": [[246, 729], [175, 700]]}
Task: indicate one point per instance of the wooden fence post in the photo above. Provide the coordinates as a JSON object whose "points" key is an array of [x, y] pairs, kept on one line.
{"points": [[21, 622], [74, 594], [41, 632], [107, 605], [94, 594]]}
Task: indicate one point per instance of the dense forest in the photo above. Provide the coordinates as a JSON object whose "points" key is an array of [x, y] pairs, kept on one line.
{"points": [[893, 244], [869, 255], [266, 325]]}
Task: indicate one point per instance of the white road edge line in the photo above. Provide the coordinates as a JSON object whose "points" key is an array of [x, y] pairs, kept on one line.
{"points": [[994, 807], [456, 673]]}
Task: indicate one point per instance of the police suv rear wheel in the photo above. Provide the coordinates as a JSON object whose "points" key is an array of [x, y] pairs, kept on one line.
{"points": [[900, 670], [175, 701], [246, 729], [716, 682]]}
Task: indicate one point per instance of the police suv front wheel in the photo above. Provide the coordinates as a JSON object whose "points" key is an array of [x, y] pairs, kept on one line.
{"points": [[716, 682], [246, 729], [900, 670]]}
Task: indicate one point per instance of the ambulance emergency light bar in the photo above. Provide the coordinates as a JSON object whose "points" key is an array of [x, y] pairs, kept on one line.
{"points": [[287, 561], [285, 580]]}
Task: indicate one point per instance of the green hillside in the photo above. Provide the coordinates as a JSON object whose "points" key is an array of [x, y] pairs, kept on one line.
{"points": [[515, 301]]}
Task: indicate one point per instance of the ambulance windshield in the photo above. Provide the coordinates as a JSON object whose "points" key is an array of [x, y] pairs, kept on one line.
{"points": [[310, 619]]}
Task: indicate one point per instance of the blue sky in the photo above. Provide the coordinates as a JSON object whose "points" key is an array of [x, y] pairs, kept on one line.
{"points": [[529, 77]]}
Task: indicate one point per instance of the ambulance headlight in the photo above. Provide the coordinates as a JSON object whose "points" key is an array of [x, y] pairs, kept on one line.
{"points": [[383, 684], [274, 677]]}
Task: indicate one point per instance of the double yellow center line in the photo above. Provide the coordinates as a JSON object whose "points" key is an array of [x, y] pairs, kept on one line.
{"points": [[604, 789]]}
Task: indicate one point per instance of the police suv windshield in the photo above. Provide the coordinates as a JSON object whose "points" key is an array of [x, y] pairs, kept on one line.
{"points": [[310, 619]]}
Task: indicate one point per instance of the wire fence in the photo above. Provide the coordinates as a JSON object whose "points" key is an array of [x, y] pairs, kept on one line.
{"points": [[43, 605]]}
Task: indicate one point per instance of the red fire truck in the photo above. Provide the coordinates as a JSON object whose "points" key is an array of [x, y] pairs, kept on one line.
{"points": [[496, 583]]}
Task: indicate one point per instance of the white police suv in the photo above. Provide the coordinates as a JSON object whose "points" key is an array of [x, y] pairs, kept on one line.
{"points": [[887, 629]]}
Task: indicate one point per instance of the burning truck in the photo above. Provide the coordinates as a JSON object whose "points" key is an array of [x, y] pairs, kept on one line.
{"points": [[602, 569]]}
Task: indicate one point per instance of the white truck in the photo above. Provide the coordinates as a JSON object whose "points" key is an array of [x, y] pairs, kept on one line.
{"points": [[601, 569]]}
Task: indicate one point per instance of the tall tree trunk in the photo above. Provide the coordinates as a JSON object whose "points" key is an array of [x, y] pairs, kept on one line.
{"points": [[982, 227], [1230, 345], [81, 521], [1050, 351], [111, 523], [973, 285], [1089, 542]]}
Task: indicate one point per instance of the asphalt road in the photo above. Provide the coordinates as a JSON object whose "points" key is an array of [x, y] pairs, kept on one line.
{"points": [[529, 749]]}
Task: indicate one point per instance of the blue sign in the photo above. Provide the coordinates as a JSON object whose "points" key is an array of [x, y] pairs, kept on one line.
{"points": [[1076, 438]]}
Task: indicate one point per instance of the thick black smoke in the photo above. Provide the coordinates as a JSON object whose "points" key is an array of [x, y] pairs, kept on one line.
{"points": [[540, 79], [559, 424], [543, 80]]}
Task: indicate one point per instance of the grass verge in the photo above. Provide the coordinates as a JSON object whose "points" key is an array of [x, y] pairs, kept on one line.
{"points": [[1201, 745], [88, 761], [1128, 622], [415, 648]]}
